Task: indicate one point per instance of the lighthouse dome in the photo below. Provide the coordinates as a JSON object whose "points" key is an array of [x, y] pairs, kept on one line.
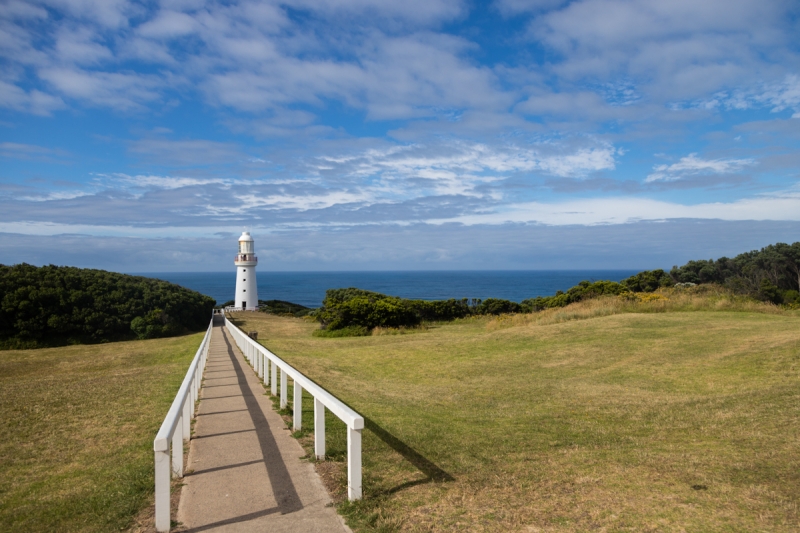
{"points": [[245, 236]]}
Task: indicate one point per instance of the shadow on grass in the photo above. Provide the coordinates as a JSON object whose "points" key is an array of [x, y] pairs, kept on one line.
{"points": [[432, 472]]}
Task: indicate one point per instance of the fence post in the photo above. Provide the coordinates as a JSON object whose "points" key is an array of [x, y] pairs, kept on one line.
{"points": [[162, 490], [283, 389], [297, 419], [188, 411], [274, 379], [177, 449], [353, 464], [319, 429]]}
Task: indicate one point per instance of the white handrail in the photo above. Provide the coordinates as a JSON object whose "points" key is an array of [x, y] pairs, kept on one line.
{"points": [[176, 427], [262, 359]]}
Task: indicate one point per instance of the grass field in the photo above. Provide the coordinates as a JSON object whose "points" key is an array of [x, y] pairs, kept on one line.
{"points": [[610, 416], [76, 431]]}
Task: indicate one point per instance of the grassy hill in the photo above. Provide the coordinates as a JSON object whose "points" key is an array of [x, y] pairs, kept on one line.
{"points": [[76, 431], [679, 411]]}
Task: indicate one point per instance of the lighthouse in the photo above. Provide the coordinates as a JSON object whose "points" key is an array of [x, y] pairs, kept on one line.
{"points": [[246, 261]]}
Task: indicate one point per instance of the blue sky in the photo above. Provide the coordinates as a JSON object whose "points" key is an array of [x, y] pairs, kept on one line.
{"points": [[423, 134]]}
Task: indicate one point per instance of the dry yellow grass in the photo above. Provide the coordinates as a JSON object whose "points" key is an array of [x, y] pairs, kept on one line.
{"points": [[679, 418]]}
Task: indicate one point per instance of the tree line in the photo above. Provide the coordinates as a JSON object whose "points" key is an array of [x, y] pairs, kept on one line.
{"points": [[770, 274], [57, 305]]}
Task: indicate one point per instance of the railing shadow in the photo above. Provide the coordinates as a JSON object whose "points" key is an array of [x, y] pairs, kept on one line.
{"points": [[432, 472]]}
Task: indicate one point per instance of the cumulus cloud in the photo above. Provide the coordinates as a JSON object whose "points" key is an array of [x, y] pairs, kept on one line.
{"points": [[693, 165]]}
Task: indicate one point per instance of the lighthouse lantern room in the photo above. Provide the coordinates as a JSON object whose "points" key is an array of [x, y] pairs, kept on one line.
{"points": [[246, 290]]}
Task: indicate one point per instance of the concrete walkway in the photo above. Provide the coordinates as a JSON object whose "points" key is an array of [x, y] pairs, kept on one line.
{"points": [[245, 468]]}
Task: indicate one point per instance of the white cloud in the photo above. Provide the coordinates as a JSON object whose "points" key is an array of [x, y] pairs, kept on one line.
{"points": [[29, 151], [675, 49], [107, 13], [298, 202], [80, 46], [779, 96], [625, 210], [34, 101], [24, 10], [693, 165], [162, 182], [168, 24], [473, 162], [121, 91]]}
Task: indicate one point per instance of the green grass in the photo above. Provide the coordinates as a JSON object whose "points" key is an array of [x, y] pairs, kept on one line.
{"points": [[76, 431], [595, 419]]}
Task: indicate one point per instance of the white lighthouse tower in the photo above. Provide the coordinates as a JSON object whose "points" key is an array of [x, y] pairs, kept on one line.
{"points": [[246, 261]]}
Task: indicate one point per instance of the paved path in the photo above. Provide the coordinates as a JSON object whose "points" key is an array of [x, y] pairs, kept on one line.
{"points": [[246, 471]]}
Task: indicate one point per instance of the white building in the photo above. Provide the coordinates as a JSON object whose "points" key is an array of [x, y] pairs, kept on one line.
{"points": [[246, 261]]}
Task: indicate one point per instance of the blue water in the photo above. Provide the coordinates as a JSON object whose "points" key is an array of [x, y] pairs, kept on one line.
{"points": [[308, 288]]}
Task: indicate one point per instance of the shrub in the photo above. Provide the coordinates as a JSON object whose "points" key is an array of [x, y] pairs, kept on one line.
{"points": [[495, 306], [343, 308], [368, 312], [283, 308]]}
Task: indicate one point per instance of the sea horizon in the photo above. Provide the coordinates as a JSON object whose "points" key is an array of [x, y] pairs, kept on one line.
{"points": [[308, 287]]}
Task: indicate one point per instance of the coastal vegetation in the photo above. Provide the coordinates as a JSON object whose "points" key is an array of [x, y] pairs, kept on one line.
{"points": [[56, 306], [771, 274], [76, 431], [669, 410], [283, 308]]}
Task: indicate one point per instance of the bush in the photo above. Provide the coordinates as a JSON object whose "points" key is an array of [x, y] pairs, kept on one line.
{"points": [[649, 281], [495, 306], [343, 308], [584, 290], [282, 308], [367, 312]]}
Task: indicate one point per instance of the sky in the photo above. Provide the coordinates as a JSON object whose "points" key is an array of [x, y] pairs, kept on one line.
{"points": [[413, 135]]}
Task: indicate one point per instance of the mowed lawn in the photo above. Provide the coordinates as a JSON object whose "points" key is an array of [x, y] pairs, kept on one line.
{"points": [[677, 421], [76, 431]]}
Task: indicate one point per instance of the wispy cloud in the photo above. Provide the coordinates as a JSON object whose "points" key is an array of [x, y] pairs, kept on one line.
{"points": [[693, 165], [11, 150], [777, 96], [622, 210]]}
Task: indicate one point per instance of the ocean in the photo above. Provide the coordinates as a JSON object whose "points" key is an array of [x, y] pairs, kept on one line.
{"points": [[308, 288]]}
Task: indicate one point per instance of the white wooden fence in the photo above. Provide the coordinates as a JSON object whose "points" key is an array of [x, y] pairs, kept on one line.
{"points": [[267, 365], [177, 424], [177, 428]]}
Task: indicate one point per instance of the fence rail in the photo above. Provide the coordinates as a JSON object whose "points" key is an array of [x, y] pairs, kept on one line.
{"points": [[267, 365], [175, 429]]}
